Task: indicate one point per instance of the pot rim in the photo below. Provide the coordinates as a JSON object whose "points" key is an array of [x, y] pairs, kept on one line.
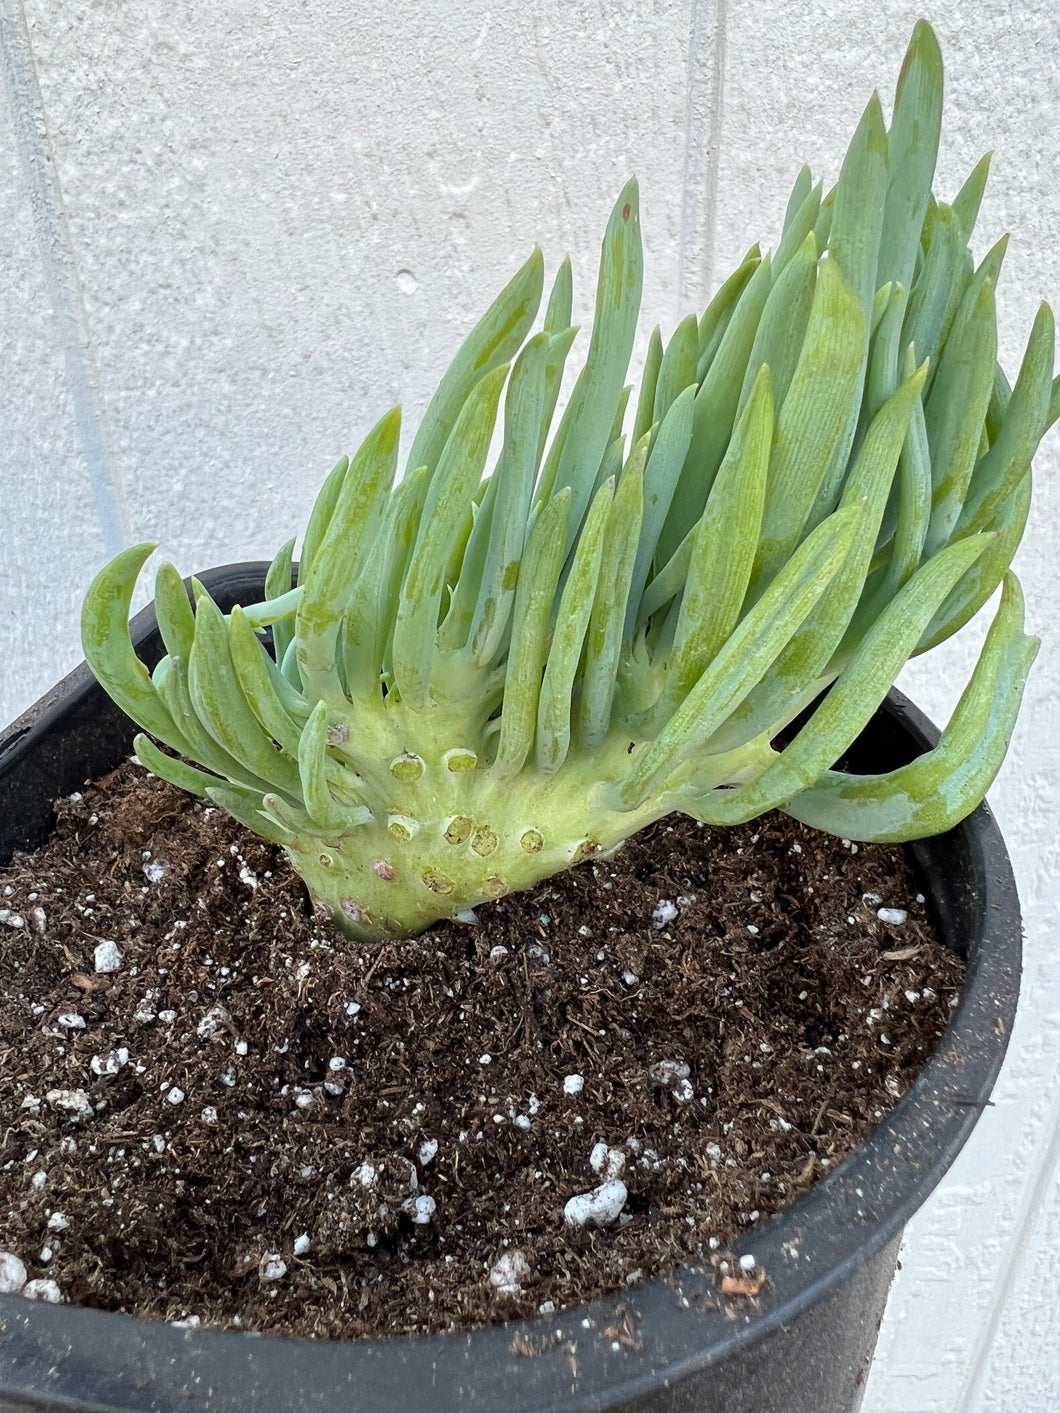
{"points": [[101, 1361]]}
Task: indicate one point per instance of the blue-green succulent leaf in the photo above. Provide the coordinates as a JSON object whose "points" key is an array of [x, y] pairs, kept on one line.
{"points": [[715, 321], [451, 488], [493, 342], [799, 220], [968, 200], [678, 369], [912, 148], [956, 409], [176, 619], [747, 655], [572, 621], [782, 328], [715, 411], [666, 461], [604, 637], [724, 547], [109, 651], [278, 582], [816, 423], [321, 805], [644, 416], [224, 711], [248, 811], [850, 704], [997, 474], [341, 556], [176, 772], [602, 381], [534, 597], [860, 199], [940, 788]]}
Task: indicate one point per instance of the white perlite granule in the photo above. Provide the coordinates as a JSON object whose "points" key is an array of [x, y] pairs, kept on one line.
{"points": [[508, 1272], [272, 1267], [609, 1162], [894, 916], [663, 912], [111, 1062], [673, 1075], [420, 1209], [74, 1101], [107, 956], [212, 1021], [598, 1208], [12, 1273]]}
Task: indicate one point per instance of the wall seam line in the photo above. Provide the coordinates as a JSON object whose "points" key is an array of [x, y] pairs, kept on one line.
{"points": [[704, 104], [59, 268], [1018, 1249]]}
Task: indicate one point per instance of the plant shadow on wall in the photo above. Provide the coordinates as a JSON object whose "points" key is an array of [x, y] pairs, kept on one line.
{"points": [[688, 600]]}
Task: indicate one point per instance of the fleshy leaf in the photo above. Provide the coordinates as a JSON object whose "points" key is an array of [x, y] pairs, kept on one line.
{"points": [[941, 787], [109, 651]]}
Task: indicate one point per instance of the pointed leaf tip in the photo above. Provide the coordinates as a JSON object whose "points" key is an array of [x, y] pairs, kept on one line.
{"points": [[924, 38], [628, 203], [923, 46]]}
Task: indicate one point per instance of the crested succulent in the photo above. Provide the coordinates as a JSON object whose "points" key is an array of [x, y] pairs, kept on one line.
{"points": [[481, 678]]}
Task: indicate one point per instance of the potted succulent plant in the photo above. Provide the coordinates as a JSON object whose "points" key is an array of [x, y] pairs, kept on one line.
{"points": [[695, 601]]}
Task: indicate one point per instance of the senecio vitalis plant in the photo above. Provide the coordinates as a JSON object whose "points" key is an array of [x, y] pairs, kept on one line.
{"points": [[481, 679]]}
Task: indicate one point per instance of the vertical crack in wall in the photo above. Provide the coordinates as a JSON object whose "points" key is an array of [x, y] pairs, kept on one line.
{"points": [[703, 120], [59, 268]]}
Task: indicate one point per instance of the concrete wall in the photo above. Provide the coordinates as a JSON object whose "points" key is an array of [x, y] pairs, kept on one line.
{"points": [[232, 235]]}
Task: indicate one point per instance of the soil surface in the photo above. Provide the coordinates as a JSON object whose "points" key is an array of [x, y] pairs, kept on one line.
{"points": [[253, 1122]]}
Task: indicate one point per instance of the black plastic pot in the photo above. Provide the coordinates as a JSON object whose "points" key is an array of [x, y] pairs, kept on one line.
{"points": [[805, 1347]]}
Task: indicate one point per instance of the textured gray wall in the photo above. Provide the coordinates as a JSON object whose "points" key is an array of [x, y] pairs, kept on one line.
{"points": [[232, 235]]}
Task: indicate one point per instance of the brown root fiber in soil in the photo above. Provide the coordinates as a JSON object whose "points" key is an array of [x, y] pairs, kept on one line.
{"points": [[256, 1123]]}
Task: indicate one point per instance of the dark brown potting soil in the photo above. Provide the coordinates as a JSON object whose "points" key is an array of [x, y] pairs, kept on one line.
{"points": [[253, 1122]]}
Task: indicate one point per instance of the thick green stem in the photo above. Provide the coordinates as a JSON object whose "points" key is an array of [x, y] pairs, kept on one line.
{"points": [[451, 835]]}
